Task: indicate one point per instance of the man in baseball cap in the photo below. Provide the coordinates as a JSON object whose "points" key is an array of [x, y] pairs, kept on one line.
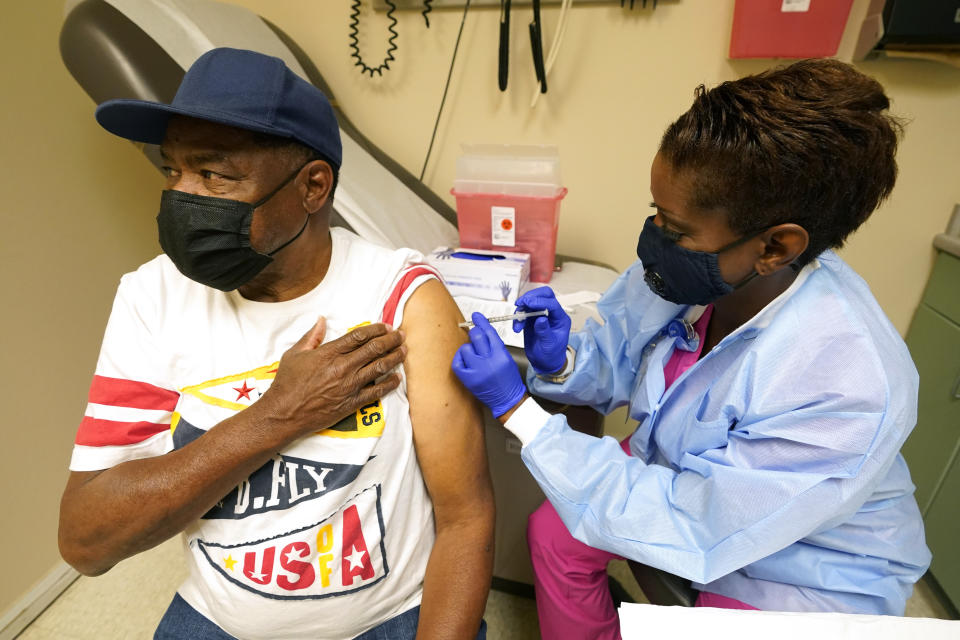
{"points": [[243, 93], [281, 445]]}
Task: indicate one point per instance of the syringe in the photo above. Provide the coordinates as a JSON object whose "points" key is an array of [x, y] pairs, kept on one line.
{"points": [[523, 315]]}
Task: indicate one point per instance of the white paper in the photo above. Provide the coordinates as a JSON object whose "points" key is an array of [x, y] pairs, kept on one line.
{"points": [[576, 298], [795, 6], [642, 621], [489, 309]]}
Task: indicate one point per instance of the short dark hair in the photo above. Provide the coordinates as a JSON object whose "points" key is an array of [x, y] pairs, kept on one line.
{"points": [[298, 152], [811, 143]]}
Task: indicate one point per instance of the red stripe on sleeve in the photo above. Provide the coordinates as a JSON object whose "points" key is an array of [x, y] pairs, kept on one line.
{"points": [[393, 300], [94, 432], [119, 392]]}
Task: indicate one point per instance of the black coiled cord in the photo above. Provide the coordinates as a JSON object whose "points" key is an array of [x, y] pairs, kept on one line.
{"points": [[355, 42], [426, 9]]}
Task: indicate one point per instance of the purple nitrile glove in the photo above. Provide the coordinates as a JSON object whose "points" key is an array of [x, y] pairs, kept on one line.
{"points": [[487, 369], [544, 338]]}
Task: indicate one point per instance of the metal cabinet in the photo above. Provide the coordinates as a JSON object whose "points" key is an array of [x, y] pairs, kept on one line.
{"points": [[942, 521], [933, 449]]}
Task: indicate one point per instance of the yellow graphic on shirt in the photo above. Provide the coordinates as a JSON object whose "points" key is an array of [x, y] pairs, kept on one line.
{"points": [[221, 391], [237, 392], [367, 422]]}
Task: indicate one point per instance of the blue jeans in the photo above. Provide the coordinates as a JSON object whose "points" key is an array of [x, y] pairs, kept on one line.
{"points": [[183, 622]]}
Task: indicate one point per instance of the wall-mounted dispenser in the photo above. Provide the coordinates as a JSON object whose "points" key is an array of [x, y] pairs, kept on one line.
{"points": [[924, 28]]}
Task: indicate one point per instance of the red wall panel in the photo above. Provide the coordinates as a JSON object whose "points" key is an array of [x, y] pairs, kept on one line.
{"points": [[768, 29]]}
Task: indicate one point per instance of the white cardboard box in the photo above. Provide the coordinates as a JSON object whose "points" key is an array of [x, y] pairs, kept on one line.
{"points": [[478, 273]]}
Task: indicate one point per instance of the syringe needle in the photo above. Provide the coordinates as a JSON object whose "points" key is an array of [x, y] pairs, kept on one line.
{"points": [[523, 315]]}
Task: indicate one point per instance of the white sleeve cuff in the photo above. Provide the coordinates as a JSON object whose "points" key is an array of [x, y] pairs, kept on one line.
{"points": [[527, 420]]}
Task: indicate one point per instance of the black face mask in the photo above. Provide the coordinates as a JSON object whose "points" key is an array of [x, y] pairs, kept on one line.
{"points": [[680, 275], [208, 239]]}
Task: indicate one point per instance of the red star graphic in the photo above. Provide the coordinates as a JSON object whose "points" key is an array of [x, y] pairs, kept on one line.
{"points": [[244, 391]]}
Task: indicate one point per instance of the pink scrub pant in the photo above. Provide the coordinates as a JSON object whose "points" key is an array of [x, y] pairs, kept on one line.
{"points": [[570, 581]]}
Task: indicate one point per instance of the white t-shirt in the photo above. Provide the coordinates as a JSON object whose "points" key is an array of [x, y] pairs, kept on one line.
{"points": [[332, 536]]}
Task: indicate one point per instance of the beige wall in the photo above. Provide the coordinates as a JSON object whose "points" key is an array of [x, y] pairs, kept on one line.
{"points": [[620, 79], [78, 205]]}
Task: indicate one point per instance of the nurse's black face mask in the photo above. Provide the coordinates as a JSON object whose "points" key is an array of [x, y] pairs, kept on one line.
{"points": [[680, 275], [208, 238]]}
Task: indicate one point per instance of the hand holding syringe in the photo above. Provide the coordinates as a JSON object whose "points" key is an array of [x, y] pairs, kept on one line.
{"points": [[523, 315]]}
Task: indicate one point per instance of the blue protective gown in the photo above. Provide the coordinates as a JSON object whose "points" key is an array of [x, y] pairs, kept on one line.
{"points": [[770, 471]]}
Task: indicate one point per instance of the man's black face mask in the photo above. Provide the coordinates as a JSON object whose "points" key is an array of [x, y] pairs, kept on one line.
{"points": [[208, 238]]}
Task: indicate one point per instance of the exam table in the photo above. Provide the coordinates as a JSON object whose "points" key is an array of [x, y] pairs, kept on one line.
{"points": [[141, 49]]}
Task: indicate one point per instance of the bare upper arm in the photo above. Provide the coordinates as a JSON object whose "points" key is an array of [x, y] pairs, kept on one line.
{"points": [[447, 423], [75, 481]]}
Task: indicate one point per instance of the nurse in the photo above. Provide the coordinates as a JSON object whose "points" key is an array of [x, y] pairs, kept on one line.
{"points": [[772, 395]]}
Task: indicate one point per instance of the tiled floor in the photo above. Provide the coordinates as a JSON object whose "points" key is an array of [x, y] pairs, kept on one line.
{"points": [[127, 602]]}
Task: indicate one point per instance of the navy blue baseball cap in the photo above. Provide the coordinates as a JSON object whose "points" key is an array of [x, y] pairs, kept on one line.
{"points": [[239, 88]]}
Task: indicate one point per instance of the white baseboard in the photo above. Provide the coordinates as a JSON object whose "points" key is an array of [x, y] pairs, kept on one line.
{"points": [[27, 608]]}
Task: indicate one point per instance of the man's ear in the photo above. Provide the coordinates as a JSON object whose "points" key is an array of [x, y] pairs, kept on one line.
{"points": [[319, 182], [783, 244]]}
